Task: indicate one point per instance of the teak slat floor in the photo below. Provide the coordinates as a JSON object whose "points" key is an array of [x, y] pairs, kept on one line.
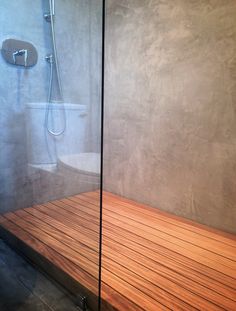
{"points": [[151, 260]]}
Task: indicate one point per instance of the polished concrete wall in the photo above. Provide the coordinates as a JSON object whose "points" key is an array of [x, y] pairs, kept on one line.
{"points": [[170, 111], [78, 34]]}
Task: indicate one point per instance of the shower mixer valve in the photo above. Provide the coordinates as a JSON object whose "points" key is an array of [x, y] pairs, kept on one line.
{"points": [[20, 53]]}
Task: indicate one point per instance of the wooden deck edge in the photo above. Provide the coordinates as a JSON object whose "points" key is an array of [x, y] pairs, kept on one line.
{"points": [[48, 268]]}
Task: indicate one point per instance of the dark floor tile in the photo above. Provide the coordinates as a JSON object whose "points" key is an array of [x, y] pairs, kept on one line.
{"points": [[24, 288]]}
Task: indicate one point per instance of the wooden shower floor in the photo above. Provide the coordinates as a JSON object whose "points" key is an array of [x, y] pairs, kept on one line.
{"points": [[151, 260]]}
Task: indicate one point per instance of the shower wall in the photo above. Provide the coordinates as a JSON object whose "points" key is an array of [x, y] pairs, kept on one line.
{"points": [[78, 40], [170, 111]]}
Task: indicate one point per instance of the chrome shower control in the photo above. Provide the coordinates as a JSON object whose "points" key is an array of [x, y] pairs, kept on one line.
{"points": [[20, 53], [49, 58]]}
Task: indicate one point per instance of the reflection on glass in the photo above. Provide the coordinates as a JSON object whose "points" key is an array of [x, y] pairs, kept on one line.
{"points": [[50, 143]]}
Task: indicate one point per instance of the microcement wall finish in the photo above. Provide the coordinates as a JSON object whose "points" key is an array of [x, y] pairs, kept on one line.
{"points": [[170, 111]]}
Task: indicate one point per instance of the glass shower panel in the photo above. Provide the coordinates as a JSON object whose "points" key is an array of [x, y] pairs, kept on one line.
{"points": [[50, 121], [170, 154]]}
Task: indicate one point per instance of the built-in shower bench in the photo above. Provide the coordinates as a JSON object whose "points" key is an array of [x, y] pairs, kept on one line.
{"points": [[151, 260]]}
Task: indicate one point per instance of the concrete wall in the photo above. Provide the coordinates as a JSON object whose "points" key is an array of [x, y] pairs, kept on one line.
{"points": [[78, 35], [170, 112]]}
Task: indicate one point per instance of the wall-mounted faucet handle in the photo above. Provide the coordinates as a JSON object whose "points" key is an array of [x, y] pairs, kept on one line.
{"points": [[20, 53]]}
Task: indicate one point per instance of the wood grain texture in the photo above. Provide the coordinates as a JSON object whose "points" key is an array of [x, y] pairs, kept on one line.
{"points": [[151, 260]]}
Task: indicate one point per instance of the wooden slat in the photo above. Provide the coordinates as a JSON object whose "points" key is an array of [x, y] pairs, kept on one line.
{"points": [[75, 220], [186, 235], [173, 283], [200, 229], [151, 260], [71, 233], [55, 244], [215, 261], [66, 229], [112, 299], [56, 258], [116, 301], [110, 263], [155, 252], [167, 255], [190, 285]]}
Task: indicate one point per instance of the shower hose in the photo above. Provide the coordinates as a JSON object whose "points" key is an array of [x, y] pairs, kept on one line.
{"points": [[54, 59]]}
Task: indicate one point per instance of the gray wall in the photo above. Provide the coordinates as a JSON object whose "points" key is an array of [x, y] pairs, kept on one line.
{"points": [[78, 34], [170, 113], [20, 20]]}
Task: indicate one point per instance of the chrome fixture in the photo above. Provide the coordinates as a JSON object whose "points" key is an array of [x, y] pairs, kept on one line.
{"points": [[49, 58], [20, 53], [49, 16], [53, 59]]}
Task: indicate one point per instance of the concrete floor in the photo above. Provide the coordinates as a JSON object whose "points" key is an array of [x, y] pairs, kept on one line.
{"points": [[24, 288]]}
